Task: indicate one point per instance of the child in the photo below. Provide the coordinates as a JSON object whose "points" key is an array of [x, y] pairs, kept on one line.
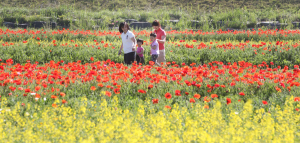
{"points": [[154, 48], [140, 52]]}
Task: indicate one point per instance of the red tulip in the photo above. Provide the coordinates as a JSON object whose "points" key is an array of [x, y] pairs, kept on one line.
{"points": [[192, 100], [265, 102], [168, 95], [242, 93], [228, 100], [154, 101]]}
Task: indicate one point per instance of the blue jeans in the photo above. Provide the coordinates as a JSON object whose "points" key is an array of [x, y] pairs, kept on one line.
{"points": [[154, 58]]}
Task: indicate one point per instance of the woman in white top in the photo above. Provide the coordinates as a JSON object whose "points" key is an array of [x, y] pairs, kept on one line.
{"points": [[128, 43]]}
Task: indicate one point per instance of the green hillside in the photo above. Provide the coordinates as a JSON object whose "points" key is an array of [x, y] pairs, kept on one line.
{"points": [[100, 14], [209, 5]]}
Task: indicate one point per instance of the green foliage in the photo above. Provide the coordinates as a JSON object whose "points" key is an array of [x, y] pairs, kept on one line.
{"points": [[82, 51], [238, 18]]}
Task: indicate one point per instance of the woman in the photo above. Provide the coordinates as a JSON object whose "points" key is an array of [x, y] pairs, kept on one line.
{"points": [[161, 39], [128, 43]]}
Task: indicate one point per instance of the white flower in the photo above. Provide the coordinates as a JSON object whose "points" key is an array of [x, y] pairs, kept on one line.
{"points": [[33, 93], [18, 73], [236, 112], [45, 99], [27, 114]]}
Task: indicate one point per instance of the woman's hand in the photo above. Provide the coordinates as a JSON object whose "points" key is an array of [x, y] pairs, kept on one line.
{"points": [[134, 43], [120, 51]]}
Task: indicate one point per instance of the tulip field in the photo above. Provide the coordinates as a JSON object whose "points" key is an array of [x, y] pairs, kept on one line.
{"points": [[218, 86]]}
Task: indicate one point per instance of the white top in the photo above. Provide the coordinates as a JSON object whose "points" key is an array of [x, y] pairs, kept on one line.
{"points": [[127, 42]]}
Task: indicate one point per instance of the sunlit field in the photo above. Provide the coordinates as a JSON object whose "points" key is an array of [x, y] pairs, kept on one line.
{"points": [[217, 86]]}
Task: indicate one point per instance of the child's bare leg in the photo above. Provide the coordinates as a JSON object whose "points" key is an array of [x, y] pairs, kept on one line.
{"points": [[156, 63]]}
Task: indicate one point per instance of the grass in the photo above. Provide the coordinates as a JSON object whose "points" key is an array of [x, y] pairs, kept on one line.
{"points": [[93, 14], [208, 5], [52, 90]]}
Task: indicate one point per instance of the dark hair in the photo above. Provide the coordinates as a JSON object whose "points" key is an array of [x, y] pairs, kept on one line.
{"points": [[153, 34], [140, 40], [122, 26], [156, 23]]}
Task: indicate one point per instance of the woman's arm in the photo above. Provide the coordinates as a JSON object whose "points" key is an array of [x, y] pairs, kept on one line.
{"points": [[121, 49], [163, 39], [134, 43]]}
